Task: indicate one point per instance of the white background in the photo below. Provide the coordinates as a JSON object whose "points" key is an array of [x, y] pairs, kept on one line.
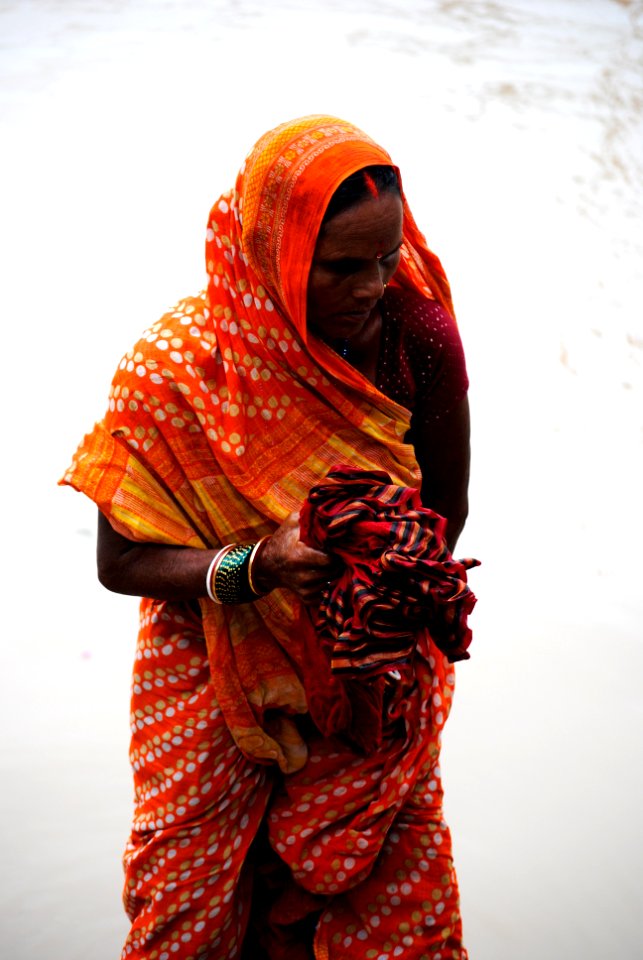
{"points": [[518, 129]]}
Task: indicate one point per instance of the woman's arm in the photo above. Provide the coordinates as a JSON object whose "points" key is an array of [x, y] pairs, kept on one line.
{"points": [[443, 452], [179, 573], [149, 570]]}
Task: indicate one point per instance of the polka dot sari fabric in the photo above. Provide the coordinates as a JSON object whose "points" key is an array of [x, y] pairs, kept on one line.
{"points": [[198, 801], [368, 832], [367, 853]]}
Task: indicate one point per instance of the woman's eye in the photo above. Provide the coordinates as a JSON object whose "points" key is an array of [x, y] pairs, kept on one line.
{"points": [[347, 267], [344, 267]]}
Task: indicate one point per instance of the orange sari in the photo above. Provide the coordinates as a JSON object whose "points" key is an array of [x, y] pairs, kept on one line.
{"points": [[220, 420]]}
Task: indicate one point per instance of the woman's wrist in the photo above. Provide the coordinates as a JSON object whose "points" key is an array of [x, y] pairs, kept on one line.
{"points": [[233, 575], [262, 578], [254, 568]]}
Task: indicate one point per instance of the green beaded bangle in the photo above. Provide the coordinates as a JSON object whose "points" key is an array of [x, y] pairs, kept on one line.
{"points": [[230, 582]]}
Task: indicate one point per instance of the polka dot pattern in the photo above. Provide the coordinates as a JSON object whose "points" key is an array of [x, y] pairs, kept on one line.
{"points": [[198, 801], [364, 835], [367, 833]]}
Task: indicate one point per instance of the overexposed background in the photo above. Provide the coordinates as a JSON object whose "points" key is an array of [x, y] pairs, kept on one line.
{"points": [[518, 128]]}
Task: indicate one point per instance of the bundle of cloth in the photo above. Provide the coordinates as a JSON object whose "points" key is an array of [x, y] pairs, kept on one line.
{"points": [[398, 578]]}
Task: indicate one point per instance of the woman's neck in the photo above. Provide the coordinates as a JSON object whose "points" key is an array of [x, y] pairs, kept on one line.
{"points": [[362, 351]]}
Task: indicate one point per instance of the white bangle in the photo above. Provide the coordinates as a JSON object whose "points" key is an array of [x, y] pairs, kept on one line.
{"points": [[211, 570]]}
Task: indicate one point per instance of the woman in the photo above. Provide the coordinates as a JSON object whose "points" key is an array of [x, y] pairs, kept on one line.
{"points": [[281, 809]]}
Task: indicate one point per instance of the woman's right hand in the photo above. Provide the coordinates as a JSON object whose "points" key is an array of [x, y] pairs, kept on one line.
{"points": [[284, 561]]}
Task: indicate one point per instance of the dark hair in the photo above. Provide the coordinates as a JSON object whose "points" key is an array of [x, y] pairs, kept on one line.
{"points": [[367, 182]]}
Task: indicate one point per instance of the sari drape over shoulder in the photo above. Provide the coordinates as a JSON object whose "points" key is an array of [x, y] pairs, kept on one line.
{"points": [[221, 418]]}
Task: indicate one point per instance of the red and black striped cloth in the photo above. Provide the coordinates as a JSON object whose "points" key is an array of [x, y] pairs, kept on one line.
{"points": [[398, 578]]}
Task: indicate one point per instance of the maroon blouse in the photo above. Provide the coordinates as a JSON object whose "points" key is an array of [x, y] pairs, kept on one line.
{"points": [[421, 363]]}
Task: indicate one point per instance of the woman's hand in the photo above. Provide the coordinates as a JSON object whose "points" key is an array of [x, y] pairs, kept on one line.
{"points": [[284, 561]]}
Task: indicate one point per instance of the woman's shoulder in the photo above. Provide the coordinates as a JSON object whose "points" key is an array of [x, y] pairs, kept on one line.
{"points": [[422, 356], [417, 315], [187, 323], [183, 335]]}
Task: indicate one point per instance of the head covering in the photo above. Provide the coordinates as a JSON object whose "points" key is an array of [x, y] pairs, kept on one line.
{"points": [[282, 193], [226, 412]]}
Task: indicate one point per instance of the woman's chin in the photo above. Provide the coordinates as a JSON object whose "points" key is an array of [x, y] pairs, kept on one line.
{"points": [[342, 326]]}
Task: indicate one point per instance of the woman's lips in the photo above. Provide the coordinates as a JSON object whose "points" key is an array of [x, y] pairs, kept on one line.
{"points": [[360, 314]]}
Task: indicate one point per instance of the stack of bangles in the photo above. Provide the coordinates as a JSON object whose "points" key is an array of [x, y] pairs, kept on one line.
{"points": [[229, 576]]}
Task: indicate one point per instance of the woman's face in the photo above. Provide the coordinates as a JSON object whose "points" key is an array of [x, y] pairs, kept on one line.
{"points": [[357, 253]]}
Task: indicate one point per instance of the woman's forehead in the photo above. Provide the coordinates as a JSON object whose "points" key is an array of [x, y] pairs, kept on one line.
{"points": [[373, 226]]}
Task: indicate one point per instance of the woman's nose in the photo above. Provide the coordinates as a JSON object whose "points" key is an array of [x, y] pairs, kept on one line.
{"points": [[370, 283]]}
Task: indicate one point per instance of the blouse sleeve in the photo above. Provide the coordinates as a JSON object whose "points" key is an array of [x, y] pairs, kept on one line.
{"points": [[424, 366]]}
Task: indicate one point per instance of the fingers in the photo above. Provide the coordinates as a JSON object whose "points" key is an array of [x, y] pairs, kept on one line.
{"points": [[312, 591], [285, 561]]}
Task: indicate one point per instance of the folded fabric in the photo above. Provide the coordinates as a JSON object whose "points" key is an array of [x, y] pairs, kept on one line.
{"points": [[399, 576]]}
